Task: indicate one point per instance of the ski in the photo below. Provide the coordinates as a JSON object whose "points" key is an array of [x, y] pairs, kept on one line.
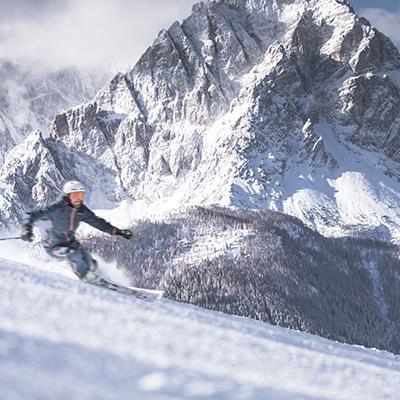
{"points": [[140, 293]]}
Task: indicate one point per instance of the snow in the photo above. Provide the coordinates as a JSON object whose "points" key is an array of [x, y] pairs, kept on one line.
{"points": [[356, 193], [63, 339], [213, 244]]}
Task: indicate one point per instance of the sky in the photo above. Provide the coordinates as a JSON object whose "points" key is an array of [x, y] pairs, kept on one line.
{"points": [[384, 14], [85, 33], [100, 33]]}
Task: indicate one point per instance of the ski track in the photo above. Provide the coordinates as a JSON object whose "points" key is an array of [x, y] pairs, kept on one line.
{"points": [[63, 339]]}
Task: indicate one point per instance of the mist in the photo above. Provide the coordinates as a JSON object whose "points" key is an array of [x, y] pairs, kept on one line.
{"points": [[92, 34]]}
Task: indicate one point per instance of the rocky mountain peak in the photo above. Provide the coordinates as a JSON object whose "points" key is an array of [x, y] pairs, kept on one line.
{"points": [[247, 103]]}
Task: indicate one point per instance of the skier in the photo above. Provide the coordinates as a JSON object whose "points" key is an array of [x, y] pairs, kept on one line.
{"points": [[65, 216]]}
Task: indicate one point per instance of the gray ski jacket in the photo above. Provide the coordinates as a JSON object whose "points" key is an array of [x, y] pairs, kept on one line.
{"points": [[65, 219]]}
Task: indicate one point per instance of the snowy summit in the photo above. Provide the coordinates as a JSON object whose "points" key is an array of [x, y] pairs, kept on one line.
{"points": [[294, 103]]}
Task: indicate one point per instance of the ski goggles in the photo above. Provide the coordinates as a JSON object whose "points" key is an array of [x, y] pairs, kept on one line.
{"points": [[77, 196]]}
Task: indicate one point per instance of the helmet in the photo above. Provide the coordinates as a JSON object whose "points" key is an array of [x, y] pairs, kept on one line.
{"points": [[73, 187]]}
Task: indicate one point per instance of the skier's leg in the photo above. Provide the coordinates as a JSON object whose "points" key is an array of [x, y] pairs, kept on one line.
{"points": [[78, 258], [80, 261], [59, 252]]}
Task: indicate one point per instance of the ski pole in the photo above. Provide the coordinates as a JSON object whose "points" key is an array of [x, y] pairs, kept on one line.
{"points": [[11, 238]]}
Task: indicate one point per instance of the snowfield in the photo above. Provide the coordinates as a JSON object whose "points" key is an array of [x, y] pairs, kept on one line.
{"points": [[63, 339]]}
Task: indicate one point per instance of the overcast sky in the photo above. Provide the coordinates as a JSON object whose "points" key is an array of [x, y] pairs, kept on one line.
{"points": [[96, 33], [90, 33]]}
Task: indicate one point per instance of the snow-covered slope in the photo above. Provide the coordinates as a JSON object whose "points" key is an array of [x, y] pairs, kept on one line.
{"points": [[288, 105], [63, 339]]}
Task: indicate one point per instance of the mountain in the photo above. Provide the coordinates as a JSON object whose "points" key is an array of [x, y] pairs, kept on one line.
{"points": [[31, 97], [287, 105], [104, 345]]}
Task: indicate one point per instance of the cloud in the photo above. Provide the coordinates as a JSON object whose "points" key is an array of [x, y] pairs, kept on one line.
{"points": [[24, 8], [90, 33], [386, 21]]}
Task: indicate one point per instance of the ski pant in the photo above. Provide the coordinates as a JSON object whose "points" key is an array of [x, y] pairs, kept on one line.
{"points": [[78, 258]]}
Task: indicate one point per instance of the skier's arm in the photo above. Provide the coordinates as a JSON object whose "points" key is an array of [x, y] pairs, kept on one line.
{"points": [[99, 223], [36, 215], [41, 214], [33, 216]]}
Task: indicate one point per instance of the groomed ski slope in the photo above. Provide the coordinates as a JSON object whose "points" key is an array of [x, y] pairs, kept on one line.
{"points": [[63, 339]]}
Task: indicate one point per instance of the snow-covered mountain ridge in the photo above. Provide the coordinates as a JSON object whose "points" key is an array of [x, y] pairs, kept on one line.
{"points": [[286, 105], [31, 96]]}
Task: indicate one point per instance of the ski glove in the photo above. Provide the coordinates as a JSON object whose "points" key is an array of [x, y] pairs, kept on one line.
{"points": [[27, 233], [126, 233]]}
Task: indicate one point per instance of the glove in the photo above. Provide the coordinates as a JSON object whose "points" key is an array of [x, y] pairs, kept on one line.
{"points": [[126, 233], [27, 233]]}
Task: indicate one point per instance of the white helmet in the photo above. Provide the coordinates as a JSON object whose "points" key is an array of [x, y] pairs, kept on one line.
{"points": [[73, 187]]}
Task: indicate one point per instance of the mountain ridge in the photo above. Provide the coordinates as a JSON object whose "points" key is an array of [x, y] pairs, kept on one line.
{"points": [[31, 96], [263, 92]]}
